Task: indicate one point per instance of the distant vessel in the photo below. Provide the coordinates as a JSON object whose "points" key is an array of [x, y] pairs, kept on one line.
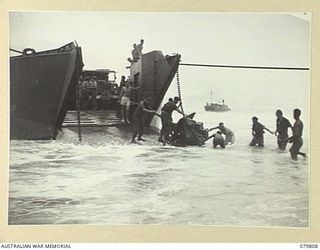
{"points": [[41, 87], [216, 107]]}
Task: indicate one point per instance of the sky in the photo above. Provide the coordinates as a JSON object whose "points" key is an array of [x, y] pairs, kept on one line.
{"points": [[257, 39]]}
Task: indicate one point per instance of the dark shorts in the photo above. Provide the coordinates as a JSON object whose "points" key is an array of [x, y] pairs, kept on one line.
{"points": [[167, 127], [166, 118], [282, 142], [229, 138], [138, 124], [257, 140], [296, 145], [218, 142]]}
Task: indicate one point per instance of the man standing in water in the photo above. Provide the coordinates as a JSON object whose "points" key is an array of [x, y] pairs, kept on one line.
{"points": [[227, 132], [296, 138], [125, 101], [257, 133], [282, 130], [138, 119], [166, 119], [218, 140]]}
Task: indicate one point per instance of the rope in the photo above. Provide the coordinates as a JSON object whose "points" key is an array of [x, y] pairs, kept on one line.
{"points": [[242, 67], [17, 51]]}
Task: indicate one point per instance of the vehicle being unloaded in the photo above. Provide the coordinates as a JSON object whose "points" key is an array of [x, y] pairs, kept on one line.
{"points": [[98, 90]]}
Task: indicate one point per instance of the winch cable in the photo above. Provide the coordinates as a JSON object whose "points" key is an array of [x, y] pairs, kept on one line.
{"points": [[242, 66], [229, 66], [17, 51]]}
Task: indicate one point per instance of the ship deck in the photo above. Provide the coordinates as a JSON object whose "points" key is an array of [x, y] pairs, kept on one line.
{"points": [[101, 118]]}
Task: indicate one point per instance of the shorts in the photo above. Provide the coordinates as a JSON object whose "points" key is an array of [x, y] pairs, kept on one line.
{"points": [[296, 145], [257, 140], [138, 125], [282, 142], [218, 142], [125, 101], [229, 138], [166, 118], [167, 127]]}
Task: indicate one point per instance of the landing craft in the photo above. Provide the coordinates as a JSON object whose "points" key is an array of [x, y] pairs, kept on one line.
{"points": [[41, 86], [154, 72]]}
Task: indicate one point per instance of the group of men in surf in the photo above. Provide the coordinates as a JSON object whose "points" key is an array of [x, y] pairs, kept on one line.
{"points": [[224, 136], [282, 126]]}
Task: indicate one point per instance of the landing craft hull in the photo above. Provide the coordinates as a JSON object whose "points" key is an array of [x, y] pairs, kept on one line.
{"points": [[41, 86], [153, 72]]}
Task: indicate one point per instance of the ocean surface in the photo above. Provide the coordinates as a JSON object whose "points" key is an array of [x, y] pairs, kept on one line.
{"points": [[107, 180]]}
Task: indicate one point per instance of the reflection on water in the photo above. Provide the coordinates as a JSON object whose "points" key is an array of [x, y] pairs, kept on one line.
{"points": [[106, 180]]}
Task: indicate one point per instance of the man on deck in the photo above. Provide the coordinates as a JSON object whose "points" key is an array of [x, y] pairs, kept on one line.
{"points": [[166, 118], [282, 125], [135, 53], [123, 81], [140, 48], [125, 101]]}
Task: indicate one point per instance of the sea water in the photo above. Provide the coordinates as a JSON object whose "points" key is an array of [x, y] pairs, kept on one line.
{"points": [[107, 180]]}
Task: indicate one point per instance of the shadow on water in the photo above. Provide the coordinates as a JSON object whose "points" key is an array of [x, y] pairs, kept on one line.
{"points": [[142, 182], [38, 210]]}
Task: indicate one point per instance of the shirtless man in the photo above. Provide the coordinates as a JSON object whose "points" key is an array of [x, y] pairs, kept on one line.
{"points": [[296, 138], [140, 48], [282, 130], [218, 140], [138, 119], [166, 119], [125, 101], [227, 132], [135, 53]]}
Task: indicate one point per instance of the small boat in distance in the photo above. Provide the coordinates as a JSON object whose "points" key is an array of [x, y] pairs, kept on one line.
{"points": [[216, 107]]}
